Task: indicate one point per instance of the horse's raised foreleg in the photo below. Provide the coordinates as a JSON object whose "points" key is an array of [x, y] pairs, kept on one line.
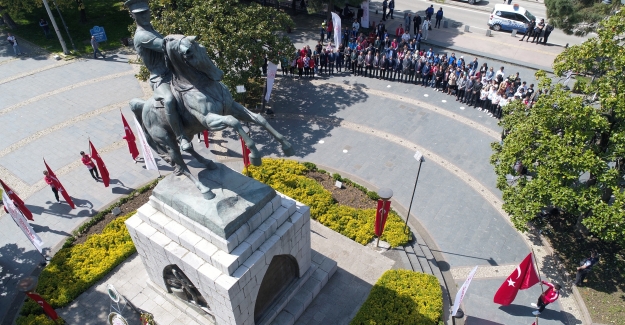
{"points": [[239, 111], [216, 122]]}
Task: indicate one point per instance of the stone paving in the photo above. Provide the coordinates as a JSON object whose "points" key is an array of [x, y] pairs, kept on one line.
{"points": [[338, 122]]}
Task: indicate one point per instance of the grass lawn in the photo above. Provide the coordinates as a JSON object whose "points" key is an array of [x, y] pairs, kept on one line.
{"points": [[109, 14], [604, 289]]}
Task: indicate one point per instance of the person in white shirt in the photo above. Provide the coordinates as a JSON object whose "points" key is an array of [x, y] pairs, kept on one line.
{"points": [[500, 73], [495, 112], [13, 41], [356, 25], [406, 36], [425, 28]]}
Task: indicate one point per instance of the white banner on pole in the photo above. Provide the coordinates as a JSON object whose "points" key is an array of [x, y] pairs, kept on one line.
{"points": [[336, 22], [364, 20], [272, 69], [148, 157], [21, 222], [462, 291]]}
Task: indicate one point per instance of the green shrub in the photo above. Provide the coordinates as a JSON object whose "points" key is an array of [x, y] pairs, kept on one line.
{"points": [[337, 177], [310, 166], [402, 297], [287, 177], [75, 269], [38, 320]]}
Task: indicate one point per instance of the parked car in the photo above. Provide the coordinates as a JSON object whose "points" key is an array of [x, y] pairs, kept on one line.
{"points": [[509, 17]]}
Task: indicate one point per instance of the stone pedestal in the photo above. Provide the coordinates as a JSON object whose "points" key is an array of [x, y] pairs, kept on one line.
{"points": [[247, 251]]}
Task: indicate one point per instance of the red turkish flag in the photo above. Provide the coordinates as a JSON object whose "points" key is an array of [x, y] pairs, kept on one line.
{"points": [[130, 139], [19, 204], [206, 137], [101, 166], [246, 153], [381, 214], [523, 277], [57, 184], [44, 304]]}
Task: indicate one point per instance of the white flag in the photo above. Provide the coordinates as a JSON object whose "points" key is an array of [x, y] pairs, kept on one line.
{"points": [[148, 157], [364, 20], [21, 222], [272, 69], [462, 291], [336, 22]]}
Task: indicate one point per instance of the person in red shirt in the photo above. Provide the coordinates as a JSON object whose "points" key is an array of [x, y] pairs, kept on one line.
{"points": [[311, 65], [87, 161], [399, 31], [50, 181], [552, 294]]}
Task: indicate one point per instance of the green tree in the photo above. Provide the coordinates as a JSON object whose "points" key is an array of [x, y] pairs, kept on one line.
{"points": [[579, 17], [237, 36], [572, 146]]}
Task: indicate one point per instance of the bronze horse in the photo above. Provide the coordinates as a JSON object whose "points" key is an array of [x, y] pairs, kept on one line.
{"points": [[203, 102]]}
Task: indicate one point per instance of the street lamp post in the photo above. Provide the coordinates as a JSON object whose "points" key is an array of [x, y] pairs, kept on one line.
{"points": [[56, 28], [419, 157], [385, 194]]}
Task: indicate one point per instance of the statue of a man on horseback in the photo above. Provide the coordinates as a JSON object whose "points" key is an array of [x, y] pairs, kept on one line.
{"points": [[188, 98]]}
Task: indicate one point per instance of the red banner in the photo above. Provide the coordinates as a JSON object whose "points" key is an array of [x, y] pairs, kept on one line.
{"points": [[57, 184], [206, 137], [17, 201], [246, 153], [104, 173], [45, 305], [381, 214], [130, 139]]}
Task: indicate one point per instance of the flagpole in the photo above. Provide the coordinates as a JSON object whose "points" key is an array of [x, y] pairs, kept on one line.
{"points": [[537, 270]]}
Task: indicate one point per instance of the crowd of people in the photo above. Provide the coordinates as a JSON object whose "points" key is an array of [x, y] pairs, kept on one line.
{"points": [[403, 60]]}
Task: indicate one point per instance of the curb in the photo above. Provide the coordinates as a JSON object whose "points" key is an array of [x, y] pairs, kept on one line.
{"points": [[488, 56]]}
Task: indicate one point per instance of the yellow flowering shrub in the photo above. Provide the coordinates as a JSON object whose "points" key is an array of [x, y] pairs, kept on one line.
{"points": [[402, 297], [288, 177], [37, 320], [75, 269]]}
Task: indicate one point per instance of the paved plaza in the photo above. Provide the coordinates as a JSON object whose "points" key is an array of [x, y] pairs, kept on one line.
{"points": [[367, 129]]}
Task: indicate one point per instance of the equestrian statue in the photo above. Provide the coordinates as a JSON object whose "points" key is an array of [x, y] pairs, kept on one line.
{"points": [[188, 98]]}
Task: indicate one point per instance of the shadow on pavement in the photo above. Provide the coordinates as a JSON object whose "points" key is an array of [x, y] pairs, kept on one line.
{"points": [[547, 314]]}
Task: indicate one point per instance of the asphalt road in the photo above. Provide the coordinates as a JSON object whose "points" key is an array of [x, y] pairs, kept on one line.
{"points": [[461, 12]]}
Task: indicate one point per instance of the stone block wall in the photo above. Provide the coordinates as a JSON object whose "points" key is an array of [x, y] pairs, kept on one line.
{"points": [[227, 272]]}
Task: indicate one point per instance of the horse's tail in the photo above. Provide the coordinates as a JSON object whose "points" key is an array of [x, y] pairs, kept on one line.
{"points": [[137, 106]]}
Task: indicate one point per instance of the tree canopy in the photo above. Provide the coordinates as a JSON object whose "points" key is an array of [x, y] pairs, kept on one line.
{"points": [[236, 35], [572, 146], [579, 17]]}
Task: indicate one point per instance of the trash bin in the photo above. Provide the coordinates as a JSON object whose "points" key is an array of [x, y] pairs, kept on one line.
{"points": [[514, 31], [488, 32], [466, 28], [445, 24]]}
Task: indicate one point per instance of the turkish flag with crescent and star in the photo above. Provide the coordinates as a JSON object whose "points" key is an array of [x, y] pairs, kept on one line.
{"points": [[523, 277], [380, 216], [106, 179], [57, 184], [206, 137], [17, 201], [130, 139]]}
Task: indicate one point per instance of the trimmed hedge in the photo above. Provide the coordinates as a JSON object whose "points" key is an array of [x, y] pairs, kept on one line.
{"points": [[75, 269], [288, 177], [38, 320], [402, 297]]}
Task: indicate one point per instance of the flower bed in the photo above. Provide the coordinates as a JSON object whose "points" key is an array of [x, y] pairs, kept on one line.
{"points": [[402, 297], [288, 177], [75, 269]]}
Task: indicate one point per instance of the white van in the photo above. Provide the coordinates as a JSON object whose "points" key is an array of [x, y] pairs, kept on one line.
{"points": [[509, 17]]}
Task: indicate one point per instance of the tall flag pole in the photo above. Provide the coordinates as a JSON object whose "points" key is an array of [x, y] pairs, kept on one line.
{"points": [[100, 163], [17, 201], [130, 139], [59, 186]]}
